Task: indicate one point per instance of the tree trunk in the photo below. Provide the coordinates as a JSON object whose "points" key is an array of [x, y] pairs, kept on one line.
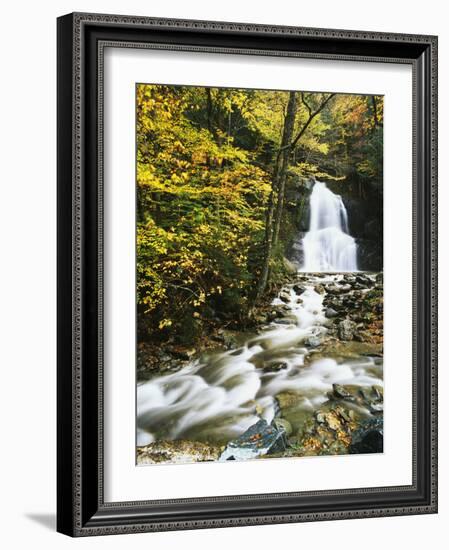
{"points": [[280, 170], [289, 125], [209, 109], [374, 104], [263, 279]]}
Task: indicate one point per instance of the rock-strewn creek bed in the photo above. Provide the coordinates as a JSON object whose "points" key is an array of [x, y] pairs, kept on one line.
{"points": [[307, 381]]}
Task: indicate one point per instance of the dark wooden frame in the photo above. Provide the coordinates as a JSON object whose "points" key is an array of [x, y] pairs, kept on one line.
{"points": [[81, 507]]}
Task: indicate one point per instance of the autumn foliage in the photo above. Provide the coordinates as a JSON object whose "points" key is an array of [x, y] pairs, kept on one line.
{"points": [[206, 159]]}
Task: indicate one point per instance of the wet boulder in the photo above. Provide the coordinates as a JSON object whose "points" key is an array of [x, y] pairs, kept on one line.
{"points": [[288, 399], [298, 288], [330, 313], [345, 288], [275, 366], [258, 440], [274, 314], [340, 392], [367, 399], [368, 438], [333, 289], [285, 297]]}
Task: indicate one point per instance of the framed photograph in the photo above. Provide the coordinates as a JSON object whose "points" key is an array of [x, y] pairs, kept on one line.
{"points": [[246, 274]]}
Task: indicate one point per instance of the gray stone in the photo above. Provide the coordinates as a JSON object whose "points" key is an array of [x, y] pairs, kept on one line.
{"points": [[313, 341], [330, 313], [346, 329], [341, 392], [283, 424]]}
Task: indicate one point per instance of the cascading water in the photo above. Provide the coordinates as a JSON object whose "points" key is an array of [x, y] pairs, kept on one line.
{"points": [[220, 395], [327, 246]]}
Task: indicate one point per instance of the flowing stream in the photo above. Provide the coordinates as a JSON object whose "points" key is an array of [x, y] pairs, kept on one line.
{"points": [[220, 395]]}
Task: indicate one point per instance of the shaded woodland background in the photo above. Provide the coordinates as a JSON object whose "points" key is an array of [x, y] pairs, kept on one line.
{"points": [[223, 180]]}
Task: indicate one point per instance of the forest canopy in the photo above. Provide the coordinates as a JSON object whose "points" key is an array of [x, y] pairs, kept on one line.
{"points": [[222, 175]]}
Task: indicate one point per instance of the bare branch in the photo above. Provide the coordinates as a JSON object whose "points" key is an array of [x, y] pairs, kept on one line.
{"points": [[309, 120], [306, 105]]}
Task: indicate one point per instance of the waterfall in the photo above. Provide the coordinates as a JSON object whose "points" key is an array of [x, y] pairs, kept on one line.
{"points": [[327, 245]]}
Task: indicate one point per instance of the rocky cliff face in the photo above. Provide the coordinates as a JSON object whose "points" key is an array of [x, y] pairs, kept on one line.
{"points": [[366, 226]]}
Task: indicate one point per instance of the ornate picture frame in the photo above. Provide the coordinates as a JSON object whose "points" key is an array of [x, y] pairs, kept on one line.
{"points": [[81, 508]]}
